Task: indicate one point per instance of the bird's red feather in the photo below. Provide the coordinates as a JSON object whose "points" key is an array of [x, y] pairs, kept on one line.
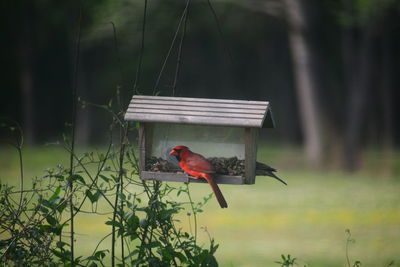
{"points": [[196, 165]]}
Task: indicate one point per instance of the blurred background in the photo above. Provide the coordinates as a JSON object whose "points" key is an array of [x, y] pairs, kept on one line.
{"points": [[330, 69]]}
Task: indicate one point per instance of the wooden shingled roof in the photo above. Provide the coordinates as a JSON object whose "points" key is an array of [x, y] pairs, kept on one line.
{"points": [[239, 113]]}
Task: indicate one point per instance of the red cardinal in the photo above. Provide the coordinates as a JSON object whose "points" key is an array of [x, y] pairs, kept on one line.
{"points": [[196, 165]]}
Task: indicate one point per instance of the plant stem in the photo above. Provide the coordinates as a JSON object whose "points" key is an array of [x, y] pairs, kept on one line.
{"points": [[194, 213], [71, 159], [347, 247], [118, 191], [21, 167]]}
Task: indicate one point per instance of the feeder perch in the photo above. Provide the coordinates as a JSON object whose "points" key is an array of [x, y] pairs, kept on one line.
{"points": [[224, 131]]}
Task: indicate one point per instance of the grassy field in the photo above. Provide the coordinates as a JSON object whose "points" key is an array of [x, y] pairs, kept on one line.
{"points": [[306, 219]]}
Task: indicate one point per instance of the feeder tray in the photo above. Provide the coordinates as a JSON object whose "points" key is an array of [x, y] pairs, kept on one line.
{"points": [[224, 131]]}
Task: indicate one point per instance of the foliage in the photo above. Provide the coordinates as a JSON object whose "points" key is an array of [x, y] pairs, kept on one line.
{"points": [[360, 12], [287, 261], [34, 221], [350, 240]]}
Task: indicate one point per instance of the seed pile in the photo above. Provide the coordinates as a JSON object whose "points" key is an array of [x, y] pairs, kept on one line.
{"points": [[224, 166], [155, 164], [228, 166]]}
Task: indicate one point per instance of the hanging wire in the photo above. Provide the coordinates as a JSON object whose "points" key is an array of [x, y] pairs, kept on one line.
{"points": [[116, 46], [184, 20], [139, 67], [179, 58], [183, 17], [226, 47]]}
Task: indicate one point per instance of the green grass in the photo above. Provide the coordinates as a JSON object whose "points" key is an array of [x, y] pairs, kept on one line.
{"points": [[306, 219]]}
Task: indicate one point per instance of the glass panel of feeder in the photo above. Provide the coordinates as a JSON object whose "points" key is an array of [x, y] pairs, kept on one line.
{"points": [[217, 143]]}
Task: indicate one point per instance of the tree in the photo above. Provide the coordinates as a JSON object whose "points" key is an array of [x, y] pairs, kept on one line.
{"points": [[361, 23], [305, 80], [294, 13]]}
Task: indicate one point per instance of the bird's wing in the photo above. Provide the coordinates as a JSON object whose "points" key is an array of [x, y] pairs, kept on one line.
{"points": [[196, 162], [265, 167]]}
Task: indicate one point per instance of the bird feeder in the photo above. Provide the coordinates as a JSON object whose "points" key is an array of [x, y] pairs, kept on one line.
{"points": [[224, 131]]}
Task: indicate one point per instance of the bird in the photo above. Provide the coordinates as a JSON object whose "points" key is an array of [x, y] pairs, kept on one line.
{"points": [[265, 170], [199, 167]]}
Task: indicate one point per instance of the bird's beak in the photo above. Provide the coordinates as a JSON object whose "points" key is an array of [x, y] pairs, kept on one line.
{"points": [[173, 152]]}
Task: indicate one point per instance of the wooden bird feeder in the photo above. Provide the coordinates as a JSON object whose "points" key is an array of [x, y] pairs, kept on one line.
{"points": [[224, 131]]}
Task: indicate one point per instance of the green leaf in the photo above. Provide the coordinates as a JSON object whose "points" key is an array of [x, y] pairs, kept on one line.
{"points": [[46, 203], [44, 229], [77, 177], [122, 196], [64, 255], [90, 196], [100, 254], [133, 220], [133, 253], [55, 194], [114, 223], [61, 244], [51, 220], [136, 262], [57, 229], [62, 206], [165, 214], [153, 244], [106, 179], [93, 197], [43, 210], [181, 257], [214, 248]]}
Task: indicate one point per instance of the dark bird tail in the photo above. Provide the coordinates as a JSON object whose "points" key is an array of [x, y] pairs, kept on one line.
{"points": [[217, 191], [265, 170]]}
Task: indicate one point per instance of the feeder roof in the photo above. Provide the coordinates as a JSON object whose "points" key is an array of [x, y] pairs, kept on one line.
{"points": [[219, 112]]}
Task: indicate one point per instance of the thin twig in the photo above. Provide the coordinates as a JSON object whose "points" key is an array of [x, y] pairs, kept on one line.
{"points": [[21, 166], [25, 227], [98, 244], [92, 179], [194, 212], [348, 240], [118, 191], [77, 210]]}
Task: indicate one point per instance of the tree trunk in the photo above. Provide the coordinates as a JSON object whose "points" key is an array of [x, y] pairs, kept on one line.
{"points": [[359, 85], [387, 97], [304, 79], [387, 87]]}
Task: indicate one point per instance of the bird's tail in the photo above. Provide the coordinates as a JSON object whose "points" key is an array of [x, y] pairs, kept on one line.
{"points": [[217, 191], [265, 170]]}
